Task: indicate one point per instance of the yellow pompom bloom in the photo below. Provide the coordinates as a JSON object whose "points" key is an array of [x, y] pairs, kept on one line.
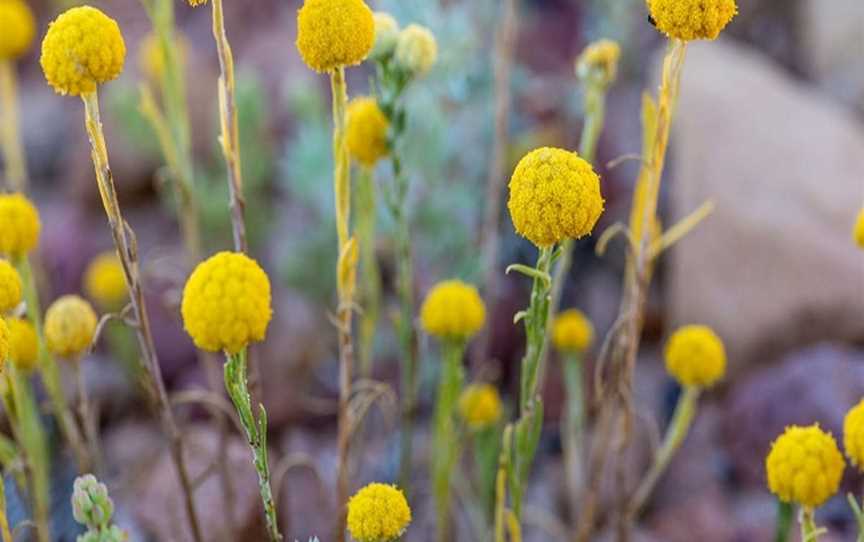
{"points": [[4, 341], [554, 195], [853, 435], [70, 325], [600, 60], [453, 310], [83, 48], [105, 282], [416, 49], [858, 230], [480, 406], [10, 287], [19, 225], [19, 28], [695, 356], [334, 33], [692, 19], [572, 331], [386, 35], [226, 303], [804, 466], [378, 513], [23, 344], [151, 61], [366, 131]]}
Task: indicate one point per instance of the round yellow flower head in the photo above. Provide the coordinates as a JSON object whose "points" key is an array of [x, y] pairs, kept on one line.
{"points": [[82, 49], [858, 231], [19, 28], [416, 50], [572, 331], [386, 35], [4, 341], [226, 303], [70, 325], [366, 131], [600, 60], [150, 59], [554, 195], [105, 282], [453, 310], [19, 225], [378, 513], [695, 356], [692, 19], [10, 287], [804, 466], [23, 344], [853, 435], [480, 406], [334, 33]]}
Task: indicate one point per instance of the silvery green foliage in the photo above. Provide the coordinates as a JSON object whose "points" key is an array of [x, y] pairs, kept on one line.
{"points": [[91, 504]]}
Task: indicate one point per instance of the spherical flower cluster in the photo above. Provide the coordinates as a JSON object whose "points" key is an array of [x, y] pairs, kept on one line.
{"points": [[151, 59], [378, 513], [695, 356], [853, 435], [226, 303], [804, 466], [572, 331], [23, 344], [453, 310], [105, 282], [10, 287], [386, 35], [600, 60], [70, 325], [334, 33], [4, 341], [480, 406], [416, 50], [19, 225], [692, 19], [858, 231], [19, 28], [554, 195], [366, 131], [83, 48]]}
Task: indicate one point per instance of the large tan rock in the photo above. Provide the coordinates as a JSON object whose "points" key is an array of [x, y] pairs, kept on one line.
{"points": [[774, 267]]}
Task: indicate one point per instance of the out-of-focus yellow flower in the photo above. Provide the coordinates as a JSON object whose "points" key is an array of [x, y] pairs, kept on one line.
{"points": [[572, 331], [804, 466], [70, 325], [226, 303], [858, 230], [196, 3], [554, 195], [416, 50], [853, 435], [105, 282], [23, 344], [600, 60], [83, 48], [378, 513], [19, 225], [19, 28], [10, 287], [366, 131], [334, 33], [453, 310], [695, 356], [480, 406], [386, 35], [151, 61], [692, 19], [4, 342]]}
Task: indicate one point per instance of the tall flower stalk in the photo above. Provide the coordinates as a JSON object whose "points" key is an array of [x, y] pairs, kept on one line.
{"points": [[19, 30]]}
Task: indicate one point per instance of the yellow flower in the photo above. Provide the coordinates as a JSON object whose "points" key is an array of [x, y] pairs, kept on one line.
{"points": [[19, 225], [70, 324], [23, 344], [453, 310], [572, 331], [378, 513], [695, 356], [83, 48], [692, 19], [804, 466], [19, 28], [151, 60], [858, 231], [334, 33], [105, 282], [599, 59], [416, 50], [10, 287], [480, 406], [386, 35], [4, 341], [366, 131], [554, 195], [195, 3], [226, 303], [853, 435]]}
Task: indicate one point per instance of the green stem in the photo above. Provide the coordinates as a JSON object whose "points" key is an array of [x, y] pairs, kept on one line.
{"points": [[573, 426], [370, 289], [10, 140], [445, 444], [256, 433], [784, 521], [809, 532]]}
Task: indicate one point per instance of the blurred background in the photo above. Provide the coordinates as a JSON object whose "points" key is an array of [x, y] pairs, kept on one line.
{"points": [[770, 126]]}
